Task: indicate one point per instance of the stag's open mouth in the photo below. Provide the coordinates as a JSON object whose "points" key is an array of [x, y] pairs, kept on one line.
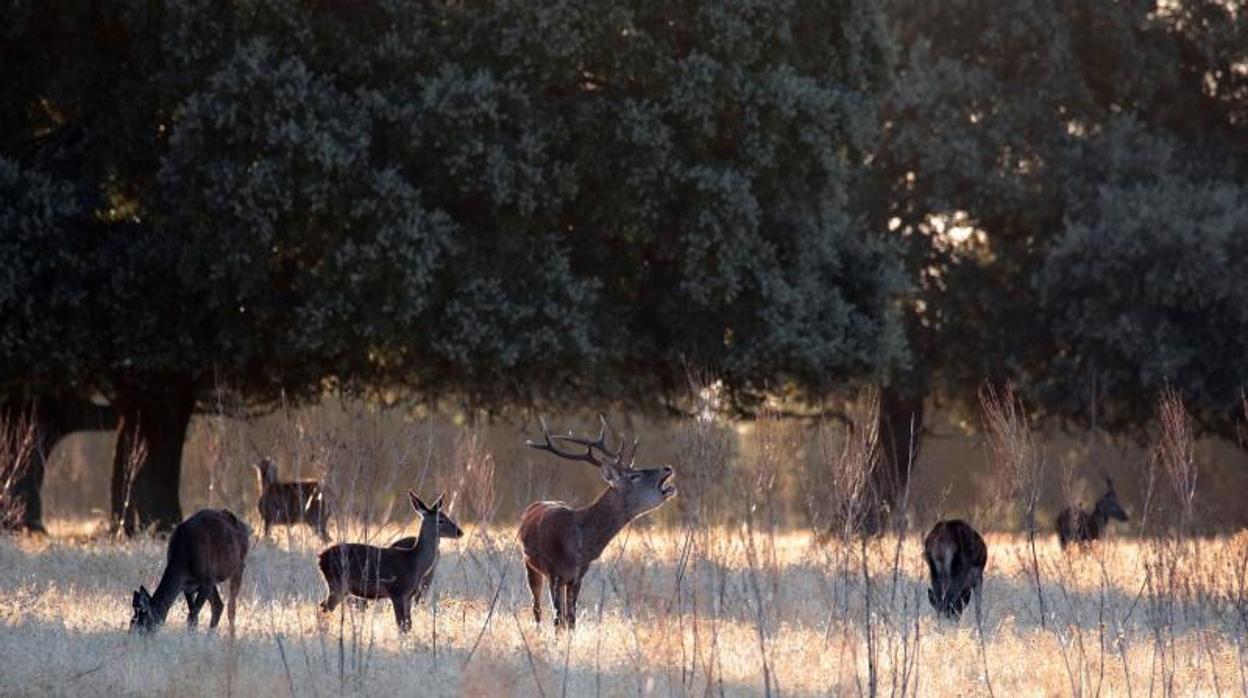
{"points": [[666, 488]]}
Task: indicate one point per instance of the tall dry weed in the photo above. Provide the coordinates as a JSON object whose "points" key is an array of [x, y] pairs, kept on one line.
{"points": [[17, 452], [1017, 466]]}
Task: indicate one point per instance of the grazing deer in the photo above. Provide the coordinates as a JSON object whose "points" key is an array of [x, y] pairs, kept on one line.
{"points": [[306, 501], [956, 556], [1074, 525], [560, 542], [204, 550], [400, 574]]}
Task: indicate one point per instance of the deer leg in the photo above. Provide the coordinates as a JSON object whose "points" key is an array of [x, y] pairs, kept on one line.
{"points": [[214, 598], [191, 612], [194, 602], [557, 599], [535, 587], [402, 615], [423, 586], [560, 592], [235, 582], [573, 592]]}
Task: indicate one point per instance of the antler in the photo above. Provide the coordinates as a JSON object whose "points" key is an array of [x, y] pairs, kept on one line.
{"points": [[548, 444], [599, 443], [622, 458], [628, 454]]}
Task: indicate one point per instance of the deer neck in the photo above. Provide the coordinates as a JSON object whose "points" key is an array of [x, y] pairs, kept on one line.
{"points": [[426, 547], [601, 521], [1098, 520], [166, 592]]}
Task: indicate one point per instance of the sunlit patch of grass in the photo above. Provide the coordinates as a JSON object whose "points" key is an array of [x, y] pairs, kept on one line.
{"points": [[648, 622]]}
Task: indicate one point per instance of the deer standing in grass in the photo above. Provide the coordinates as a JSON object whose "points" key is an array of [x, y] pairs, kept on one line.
{"points": [[1074, 525], [956, 556], [401, 574], [305, 501], [560, 542], [204, 550]]}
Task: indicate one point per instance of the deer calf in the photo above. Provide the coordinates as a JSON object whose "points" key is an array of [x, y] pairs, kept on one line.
{"points": [[401, 574], [305, 501], [560, 542], [204, 550], [956, 555], [1074, 525]]}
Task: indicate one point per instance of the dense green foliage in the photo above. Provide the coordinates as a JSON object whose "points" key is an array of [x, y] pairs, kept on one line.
{"points": [[1093, 155], [1148, 290], [516, 202], [471, 199], [501, 203]]}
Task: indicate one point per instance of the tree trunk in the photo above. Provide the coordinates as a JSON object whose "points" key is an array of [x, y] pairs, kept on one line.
{"points": [[900, 430], [147, 460], [54, 417]]}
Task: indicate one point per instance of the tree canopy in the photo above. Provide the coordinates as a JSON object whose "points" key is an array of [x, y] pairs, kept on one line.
{"points": [[541, 202], [506, 202], [1054, 171]]}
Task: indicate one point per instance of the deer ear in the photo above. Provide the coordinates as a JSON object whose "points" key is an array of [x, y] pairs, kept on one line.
{"points": [[437, 503], [418, 505]]}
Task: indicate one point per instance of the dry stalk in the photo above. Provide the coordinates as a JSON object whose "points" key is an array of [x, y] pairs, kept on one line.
{"points": [[756, 487], [17, 450], [1174, 450], [704, 447], [1016, 463], [134, 462]]}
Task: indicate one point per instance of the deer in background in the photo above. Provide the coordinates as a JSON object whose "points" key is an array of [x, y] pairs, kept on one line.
{"points": [[560, 542], [956, 556], [1074, 525], [402, 574], [305, 501], [204, 550]]}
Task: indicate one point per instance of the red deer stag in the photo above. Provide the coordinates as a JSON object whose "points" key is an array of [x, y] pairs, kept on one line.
{"points": [[305, 501], [204, 550], [956, 556], [1074, 525], [560, 542], [399, 574]]}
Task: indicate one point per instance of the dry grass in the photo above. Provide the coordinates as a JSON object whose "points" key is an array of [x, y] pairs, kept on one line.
{"points": [[712, 595], [655, 619]]}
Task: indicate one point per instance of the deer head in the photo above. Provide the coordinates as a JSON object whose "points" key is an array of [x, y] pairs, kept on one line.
{"points": [[1108, 507], [641, 490], [445, 526], [144, 617], [267, 470]]}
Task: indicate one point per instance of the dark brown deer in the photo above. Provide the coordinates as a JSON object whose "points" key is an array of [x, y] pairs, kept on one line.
{"points": [[204, 550], [289, 503], [560, 542], [1074, 525], [399, 574], [956, 555]]}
